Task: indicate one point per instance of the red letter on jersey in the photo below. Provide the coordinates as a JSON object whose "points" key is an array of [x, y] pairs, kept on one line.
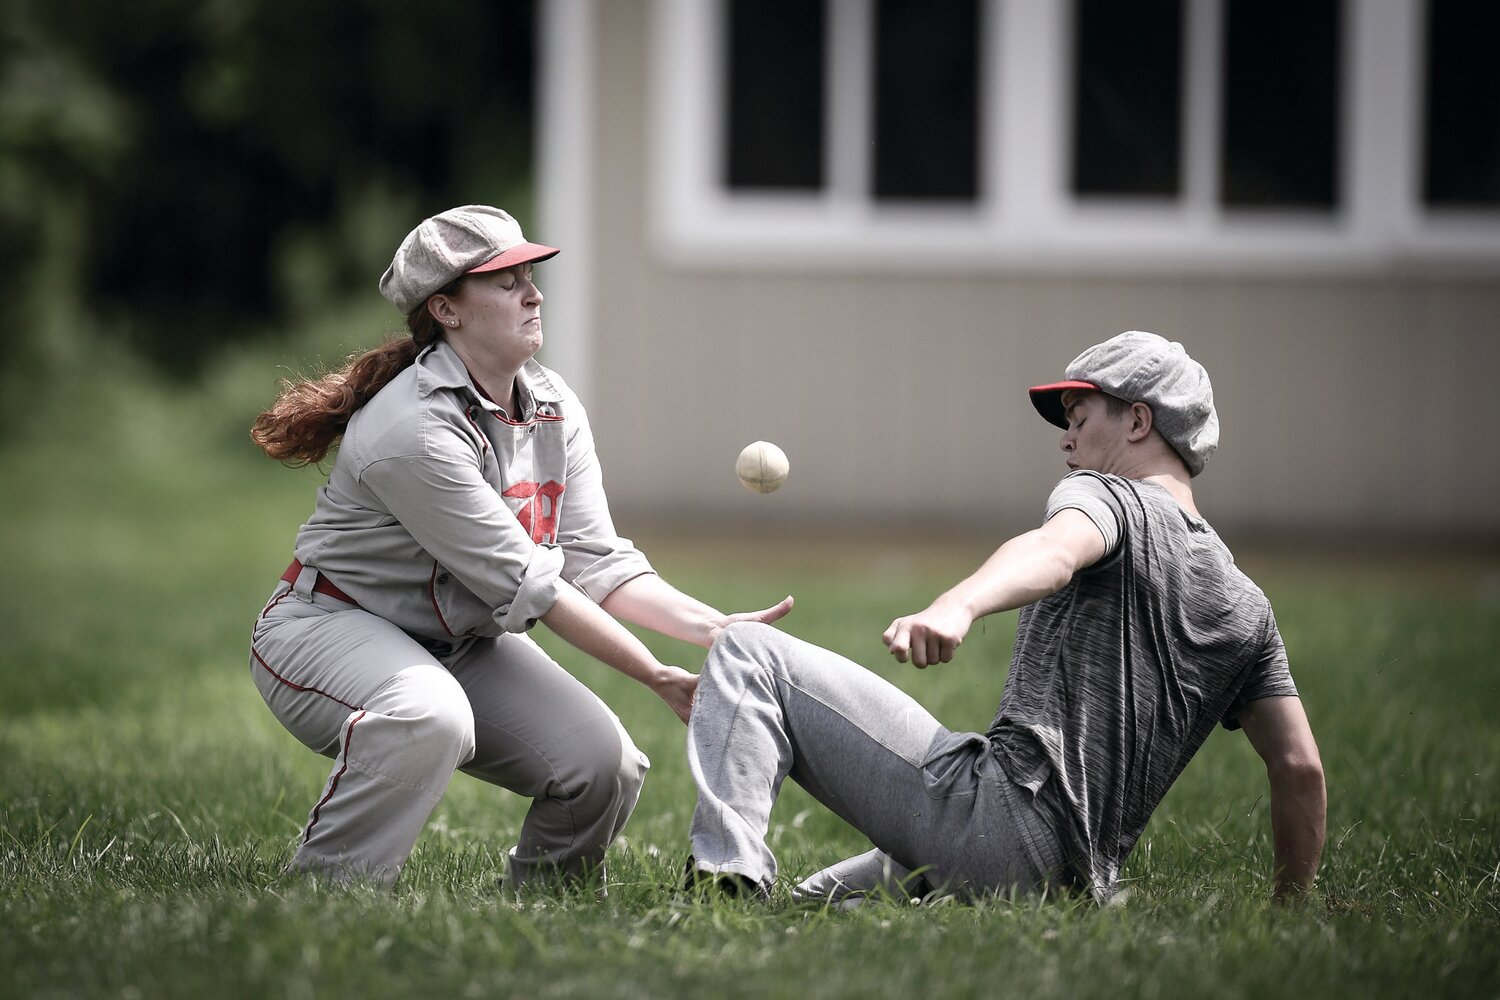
{"points": [[539, 514]]}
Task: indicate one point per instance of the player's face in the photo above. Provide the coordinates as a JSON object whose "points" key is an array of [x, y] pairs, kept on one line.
{"points": [[500, 315], [1095, 438]]}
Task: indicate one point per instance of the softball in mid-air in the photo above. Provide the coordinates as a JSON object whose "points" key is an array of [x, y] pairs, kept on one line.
{"points": [[762, 467]]}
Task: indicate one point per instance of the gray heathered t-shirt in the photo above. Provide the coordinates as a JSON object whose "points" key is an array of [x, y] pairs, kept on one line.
{"points": [[1118, 678]]}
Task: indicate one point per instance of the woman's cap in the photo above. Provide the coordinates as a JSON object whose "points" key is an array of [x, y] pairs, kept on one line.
{"points": [[465, 240], [1141, 367]]}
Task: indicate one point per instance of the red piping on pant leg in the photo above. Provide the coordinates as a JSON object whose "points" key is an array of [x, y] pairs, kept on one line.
{"points": [[333, 786], [299, 687], [275, 601]]}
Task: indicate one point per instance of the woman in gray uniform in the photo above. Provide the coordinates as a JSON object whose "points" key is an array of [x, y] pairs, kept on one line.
{"points": [[465, 504]]}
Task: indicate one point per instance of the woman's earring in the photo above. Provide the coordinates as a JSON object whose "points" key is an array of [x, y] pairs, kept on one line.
{"points": [[453, 322]]}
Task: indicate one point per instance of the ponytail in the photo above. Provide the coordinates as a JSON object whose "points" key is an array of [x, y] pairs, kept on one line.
{"points": [[310, 415]]}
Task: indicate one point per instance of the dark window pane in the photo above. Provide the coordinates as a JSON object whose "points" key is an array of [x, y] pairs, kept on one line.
{"points": [[1463, 104], [775, 94], [926, 99], [1281, 103], [1127, 105]]}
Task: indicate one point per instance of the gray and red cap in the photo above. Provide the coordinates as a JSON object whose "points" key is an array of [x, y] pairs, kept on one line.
{"points": [[471, 239], [1141, 367]]}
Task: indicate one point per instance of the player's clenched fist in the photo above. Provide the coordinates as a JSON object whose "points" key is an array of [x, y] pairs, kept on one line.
{"points": [[929, 636]]}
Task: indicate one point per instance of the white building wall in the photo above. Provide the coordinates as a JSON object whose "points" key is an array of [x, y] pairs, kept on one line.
{"points": [[1346, 393]]}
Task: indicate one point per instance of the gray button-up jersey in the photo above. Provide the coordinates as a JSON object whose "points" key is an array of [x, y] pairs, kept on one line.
{"points": [[448, 518]]}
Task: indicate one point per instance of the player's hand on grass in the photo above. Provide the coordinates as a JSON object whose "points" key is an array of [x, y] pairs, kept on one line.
{"points": [[1295, 894], [765, 616], [928, 637], [677, 687]]}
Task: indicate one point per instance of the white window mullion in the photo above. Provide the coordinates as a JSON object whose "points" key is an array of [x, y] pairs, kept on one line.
{"points": [[991, 204], [1203, 76], [1382, 144], [1031, 115], [850, 94], [687, 89]]}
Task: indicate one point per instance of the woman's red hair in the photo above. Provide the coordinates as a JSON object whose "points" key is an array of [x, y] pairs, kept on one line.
{"points": [[310, 415]]}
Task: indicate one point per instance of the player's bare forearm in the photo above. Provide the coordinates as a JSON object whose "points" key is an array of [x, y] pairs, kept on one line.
{"points": [[1023, 570], [1299, 805], [1279, 731], [582, 624], [653, 603], [1027, 568]]}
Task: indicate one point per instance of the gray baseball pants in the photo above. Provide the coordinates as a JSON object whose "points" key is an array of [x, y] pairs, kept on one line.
{"points": [[398, 720], [937, 806]]}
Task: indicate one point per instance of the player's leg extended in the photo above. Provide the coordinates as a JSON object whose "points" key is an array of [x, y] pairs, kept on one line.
{"points": [[540, 732], [771, 706], [356, 688]]}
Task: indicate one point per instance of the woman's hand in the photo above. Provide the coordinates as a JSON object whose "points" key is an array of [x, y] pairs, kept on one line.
{"points": [[765, 617], [676, 687]]}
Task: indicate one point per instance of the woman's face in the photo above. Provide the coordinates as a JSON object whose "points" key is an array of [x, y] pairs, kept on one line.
{"points": [[499, 315]]}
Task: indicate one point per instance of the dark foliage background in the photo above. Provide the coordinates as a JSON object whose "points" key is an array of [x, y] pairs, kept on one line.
{"points": [[179, 174]]}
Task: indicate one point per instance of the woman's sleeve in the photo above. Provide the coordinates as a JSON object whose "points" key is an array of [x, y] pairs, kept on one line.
{"points": [[596, 559], [449, 508]]}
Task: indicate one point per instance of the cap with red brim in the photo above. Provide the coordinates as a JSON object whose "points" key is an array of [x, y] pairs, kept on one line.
{"points": [[1048, 400], [521, 253]]}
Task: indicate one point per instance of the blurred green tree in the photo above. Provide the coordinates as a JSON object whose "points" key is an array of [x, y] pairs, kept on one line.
{"points": [[178, 173]]}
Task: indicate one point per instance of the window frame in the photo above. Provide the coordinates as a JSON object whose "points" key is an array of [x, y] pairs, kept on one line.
{"points": [[1025, 216]]}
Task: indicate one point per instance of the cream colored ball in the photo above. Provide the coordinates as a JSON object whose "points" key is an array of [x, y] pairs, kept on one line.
{"points": [[762, 467]]}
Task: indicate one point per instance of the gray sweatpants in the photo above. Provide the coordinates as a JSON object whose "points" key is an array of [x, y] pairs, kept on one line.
{"points": [[933, 802], [398, 720]]}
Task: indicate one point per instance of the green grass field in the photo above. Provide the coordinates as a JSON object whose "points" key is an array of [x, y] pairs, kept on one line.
{"points": [[148, 801]]}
